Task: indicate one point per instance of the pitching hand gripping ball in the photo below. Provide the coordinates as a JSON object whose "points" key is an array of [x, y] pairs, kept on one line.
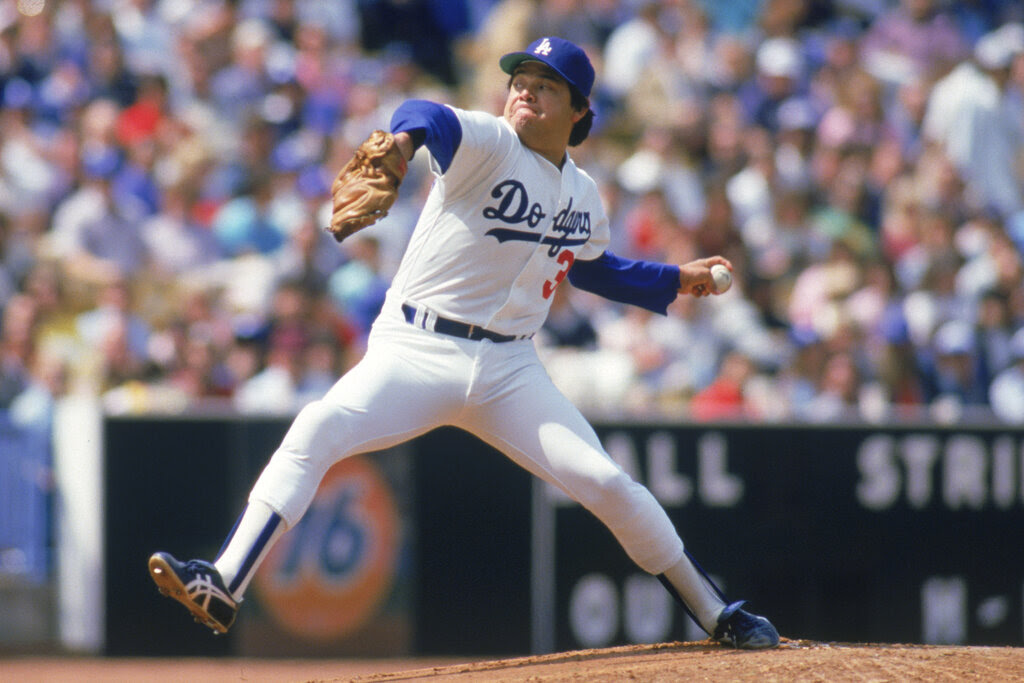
{"points": [[722, 278]]}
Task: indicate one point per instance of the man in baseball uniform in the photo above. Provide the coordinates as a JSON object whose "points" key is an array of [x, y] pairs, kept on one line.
{"points": [[509, 217]]}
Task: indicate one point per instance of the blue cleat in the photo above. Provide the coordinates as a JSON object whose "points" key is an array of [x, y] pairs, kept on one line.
{"points": [[744, 630]]}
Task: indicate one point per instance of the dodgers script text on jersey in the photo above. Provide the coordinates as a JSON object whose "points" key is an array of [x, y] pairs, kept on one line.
{"points": [[539, 221]]}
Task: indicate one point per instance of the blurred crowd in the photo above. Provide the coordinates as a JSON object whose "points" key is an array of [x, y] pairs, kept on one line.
{"points": [[165, 168]]}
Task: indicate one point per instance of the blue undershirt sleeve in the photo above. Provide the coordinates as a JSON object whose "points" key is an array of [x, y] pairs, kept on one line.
{"points": [[641, 283], [430, 124]]}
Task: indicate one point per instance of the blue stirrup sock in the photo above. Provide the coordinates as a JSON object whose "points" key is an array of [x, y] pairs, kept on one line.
{"points": [[254, 533], [691, 586]]}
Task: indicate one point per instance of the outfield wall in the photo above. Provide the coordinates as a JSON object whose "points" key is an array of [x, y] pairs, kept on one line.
{"points": [[858, 532]]}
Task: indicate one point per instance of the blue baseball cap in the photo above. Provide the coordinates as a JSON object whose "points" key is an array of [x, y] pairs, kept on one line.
{"points": [[567, 59], [100, 162]]}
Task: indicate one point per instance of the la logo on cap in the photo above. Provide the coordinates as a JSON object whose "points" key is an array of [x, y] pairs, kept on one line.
{"points": [[544, 48]]}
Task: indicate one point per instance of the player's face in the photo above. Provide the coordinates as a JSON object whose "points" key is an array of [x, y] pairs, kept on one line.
{"points": [[539, 108]]}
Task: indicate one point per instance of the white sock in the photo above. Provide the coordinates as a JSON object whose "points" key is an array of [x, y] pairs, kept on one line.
{"points": [[254, 534], [697, 592]]}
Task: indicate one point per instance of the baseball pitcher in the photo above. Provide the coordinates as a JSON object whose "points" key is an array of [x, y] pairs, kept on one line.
{"points": [[509, 217]]}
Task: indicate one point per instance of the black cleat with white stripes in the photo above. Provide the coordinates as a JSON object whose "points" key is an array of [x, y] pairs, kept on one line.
{"points": [[198, 586]]}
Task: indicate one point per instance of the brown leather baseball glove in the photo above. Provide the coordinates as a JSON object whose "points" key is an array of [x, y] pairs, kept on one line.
{"points": [[366, 188]]}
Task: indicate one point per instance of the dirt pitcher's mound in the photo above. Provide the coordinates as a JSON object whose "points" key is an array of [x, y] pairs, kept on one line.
{"points": [[794, 660]]}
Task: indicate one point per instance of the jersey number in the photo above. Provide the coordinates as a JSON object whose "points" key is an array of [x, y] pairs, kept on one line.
{"points": [[566, 258]]}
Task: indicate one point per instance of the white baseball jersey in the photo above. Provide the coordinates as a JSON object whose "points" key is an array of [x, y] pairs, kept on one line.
{"points": [[500, 230]]}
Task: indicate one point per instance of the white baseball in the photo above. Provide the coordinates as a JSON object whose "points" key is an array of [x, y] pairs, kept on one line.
{"points": [[722, 278]]}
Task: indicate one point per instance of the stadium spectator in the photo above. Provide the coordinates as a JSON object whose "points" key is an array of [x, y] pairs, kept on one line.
{"points": [[972, 119], [914, 39], [724, 397], [96, 242], [1007, 390]]}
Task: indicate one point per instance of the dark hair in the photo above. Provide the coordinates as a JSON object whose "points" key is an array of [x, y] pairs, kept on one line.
{"points": [[582, 128], [578, 102]]}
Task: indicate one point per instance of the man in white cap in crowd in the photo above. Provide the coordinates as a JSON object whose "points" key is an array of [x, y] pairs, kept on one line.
{"points": [[971, 120]]}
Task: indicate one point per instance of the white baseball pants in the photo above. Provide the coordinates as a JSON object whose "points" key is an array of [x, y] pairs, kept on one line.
{"points": [[411, 381]]}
